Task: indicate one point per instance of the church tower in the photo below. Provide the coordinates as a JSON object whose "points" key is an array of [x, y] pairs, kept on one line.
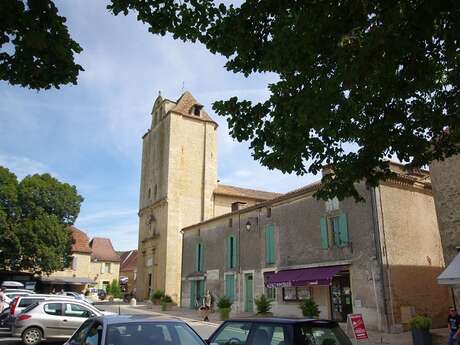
{"points": [[178, 178]]}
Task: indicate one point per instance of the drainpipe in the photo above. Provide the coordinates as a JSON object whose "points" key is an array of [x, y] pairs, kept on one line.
{"points": [[378, 256]]}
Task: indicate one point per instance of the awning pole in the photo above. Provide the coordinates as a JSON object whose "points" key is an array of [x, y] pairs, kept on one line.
{"points": [[453, 297]]}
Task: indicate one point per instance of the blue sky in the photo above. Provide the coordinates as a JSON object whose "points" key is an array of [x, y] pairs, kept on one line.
{"points": [[89, 135]]}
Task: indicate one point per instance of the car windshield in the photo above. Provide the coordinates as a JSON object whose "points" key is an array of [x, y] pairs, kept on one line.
{"points": [[147, 333], [321, 334]]}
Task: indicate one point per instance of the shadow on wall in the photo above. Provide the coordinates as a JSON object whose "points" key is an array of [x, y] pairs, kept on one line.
{"points": [[417, 286]]}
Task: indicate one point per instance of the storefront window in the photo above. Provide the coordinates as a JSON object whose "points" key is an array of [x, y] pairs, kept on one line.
{"points": [[296, 293]]}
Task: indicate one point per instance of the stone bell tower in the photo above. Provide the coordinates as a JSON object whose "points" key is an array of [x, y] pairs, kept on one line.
{"points": [[178, 177]]}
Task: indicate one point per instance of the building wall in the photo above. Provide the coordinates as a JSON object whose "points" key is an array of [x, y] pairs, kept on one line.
{"points": [[100, 276], [298, 244], [445, 177], [81, 267], [223, 204], [413, 253]]}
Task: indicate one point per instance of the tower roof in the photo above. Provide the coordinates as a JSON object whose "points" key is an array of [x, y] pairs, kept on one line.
{"points": [[184, 106]]}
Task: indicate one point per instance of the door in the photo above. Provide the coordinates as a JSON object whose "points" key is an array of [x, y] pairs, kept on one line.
{"points": [[52, 320], [341, 297], [74, 315], [248, 293]]}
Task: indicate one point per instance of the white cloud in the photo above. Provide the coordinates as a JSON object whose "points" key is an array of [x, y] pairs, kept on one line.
{"points": [[110, 213], [23, 166]]}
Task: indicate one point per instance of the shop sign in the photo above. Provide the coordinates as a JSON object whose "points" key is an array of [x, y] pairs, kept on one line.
{"points": [[357, 325]]}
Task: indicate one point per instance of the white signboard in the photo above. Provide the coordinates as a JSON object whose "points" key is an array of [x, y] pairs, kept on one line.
{"points": [[212, 275]]}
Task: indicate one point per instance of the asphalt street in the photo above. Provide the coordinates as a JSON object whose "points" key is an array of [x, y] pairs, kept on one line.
{"points": [[204, 329]]}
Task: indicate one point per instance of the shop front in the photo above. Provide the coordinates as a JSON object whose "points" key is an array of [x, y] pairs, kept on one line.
{"points": [[328, 286]]}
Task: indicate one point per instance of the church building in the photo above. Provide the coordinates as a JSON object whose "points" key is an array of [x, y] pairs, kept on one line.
{"points": [[179, 187]]}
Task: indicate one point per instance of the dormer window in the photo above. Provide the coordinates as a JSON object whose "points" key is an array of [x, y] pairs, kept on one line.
{"points": [[196, 109]]}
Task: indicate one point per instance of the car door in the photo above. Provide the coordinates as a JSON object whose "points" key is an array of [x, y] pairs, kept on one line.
{"points": [[74, 315], [233, 333], [269, 334], [51, 319]]}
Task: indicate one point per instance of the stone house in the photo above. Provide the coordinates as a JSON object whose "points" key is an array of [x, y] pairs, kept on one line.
{"points": [[128, 268], [379, 258], [105, 262]]}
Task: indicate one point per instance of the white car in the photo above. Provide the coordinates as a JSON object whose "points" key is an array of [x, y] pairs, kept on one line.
{"points": [[77, 295]]}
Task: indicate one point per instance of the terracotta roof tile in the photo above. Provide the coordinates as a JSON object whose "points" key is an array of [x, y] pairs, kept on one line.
{"points": [[244, 192], [102, 250], [184, 107], [81, 241], [128, 261]]}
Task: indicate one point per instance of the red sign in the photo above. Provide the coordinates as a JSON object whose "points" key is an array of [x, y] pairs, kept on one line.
{"points": [[357, 324]]}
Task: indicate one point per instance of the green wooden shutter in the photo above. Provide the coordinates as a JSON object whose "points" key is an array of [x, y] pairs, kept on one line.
{"points": [[201, 257], [197, 257], [343, 232], [230, 286], [192, 294], [234, 253], [324, 235], [229, 252], [270, 244]]}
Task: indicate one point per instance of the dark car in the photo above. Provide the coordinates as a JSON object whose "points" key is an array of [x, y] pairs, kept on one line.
{"points": [[134, 330], [279, 331]]}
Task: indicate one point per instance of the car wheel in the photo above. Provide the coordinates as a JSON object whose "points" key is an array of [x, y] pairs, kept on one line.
{"points": [[32, 336]]}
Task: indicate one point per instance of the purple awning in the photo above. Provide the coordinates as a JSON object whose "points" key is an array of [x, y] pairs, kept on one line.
{"points": [[304, 276]]}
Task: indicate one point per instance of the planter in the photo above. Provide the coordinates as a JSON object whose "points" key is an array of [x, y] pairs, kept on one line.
{"points": [[224, 313], [421, 337], [166, 306], [156, 301]]}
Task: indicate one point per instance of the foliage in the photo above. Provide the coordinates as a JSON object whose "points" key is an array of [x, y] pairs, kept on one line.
{"points": [[420, 322], [34, 218], [36, 48], [224, 303], [114, 289], [166, 299], [157, 295], [263, 304], [309, 307], [370, 80]]}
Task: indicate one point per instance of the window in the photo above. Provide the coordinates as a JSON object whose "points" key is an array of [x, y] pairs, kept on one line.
{"points": [[269, 292], [74, 263], [25, 302], [332, 204], [53, 308], [199, 257], [296, 293], [149, 193], [270, 244], [231, 252], [107, 267], [269, 334], [102, 268], [230, 286], [79, 336], [148, 261], [269, 212], [334, 231], [230, 222], [94, 335], [75, 310], [155, 193], [320, 334], [237, 331]]}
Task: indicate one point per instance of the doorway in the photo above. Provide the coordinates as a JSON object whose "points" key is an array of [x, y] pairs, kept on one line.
{"points": [[341, 299], [196, 293], [248, 293]]}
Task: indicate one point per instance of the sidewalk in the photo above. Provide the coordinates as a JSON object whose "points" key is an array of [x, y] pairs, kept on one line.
{"points": [[375, 338]]}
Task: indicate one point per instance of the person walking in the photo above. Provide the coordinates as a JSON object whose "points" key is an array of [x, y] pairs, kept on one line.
{"points": [[453, 324], [2, 299]]}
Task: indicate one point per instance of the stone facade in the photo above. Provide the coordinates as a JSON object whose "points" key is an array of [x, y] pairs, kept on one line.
{"points": [[178, 188], [388, 264], [445, 177]]}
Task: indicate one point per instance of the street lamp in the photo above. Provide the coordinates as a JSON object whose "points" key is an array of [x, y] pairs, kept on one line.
{"points": [[248, 226]]}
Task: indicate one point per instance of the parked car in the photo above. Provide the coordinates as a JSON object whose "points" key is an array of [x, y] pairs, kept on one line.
{"points": [[52, 319], [12, 284], [21, 302], [10, 294], [279, 331], [136, 330], [77, 295]]}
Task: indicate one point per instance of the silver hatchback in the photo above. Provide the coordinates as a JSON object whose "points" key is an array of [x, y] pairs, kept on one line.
{"points": [[52, 319]]}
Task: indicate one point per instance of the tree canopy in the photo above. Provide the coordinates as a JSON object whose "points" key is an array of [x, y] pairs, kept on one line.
{"points": [[359, 82], [36, 50], [35, 215]]}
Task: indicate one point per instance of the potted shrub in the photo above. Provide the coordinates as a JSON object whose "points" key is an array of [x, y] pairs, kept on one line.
{"points": [[263, 305], [156, 297], [225, 306], [166, 302], [420, 326], [309, 308]]}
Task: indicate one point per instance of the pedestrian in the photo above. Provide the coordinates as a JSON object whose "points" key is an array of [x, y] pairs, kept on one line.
{"points": [[2, 299], [453, 324], [53, 292]]}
